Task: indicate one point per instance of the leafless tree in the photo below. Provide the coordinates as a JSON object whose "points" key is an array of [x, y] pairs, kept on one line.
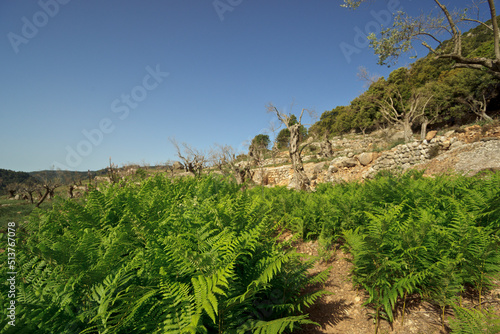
{"points": [[225, 155], [477, 105], [217, 158], [194, 160], [49, 185], [366, 76], [300, 179], [112, 171], [29, 187], [257, 154], [398, 111], [169, 165], [424, 122], [71, 188]]}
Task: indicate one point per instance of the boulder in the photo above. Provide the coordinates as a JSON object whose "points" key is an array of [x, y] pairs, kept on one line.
{"points": [[318, 168], [350, 162], [400, 135], [178, 165], [446, 145], [449, 133], [337, 161], [365, 158], [430, 135]]}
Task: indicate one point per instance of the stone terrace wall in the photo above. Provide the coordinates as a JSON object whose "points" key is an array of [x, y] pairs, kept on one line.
{"points": [[406, 155], [273, 175]]}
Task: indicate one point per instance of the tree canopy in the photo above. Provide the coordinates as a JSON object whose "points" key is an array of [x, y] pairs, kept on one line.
{"points": [[428, 28]]}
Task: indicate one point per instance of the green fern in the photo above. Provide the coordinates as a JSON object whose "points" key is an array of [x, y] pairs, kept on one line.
{"points": [[472, 321]]}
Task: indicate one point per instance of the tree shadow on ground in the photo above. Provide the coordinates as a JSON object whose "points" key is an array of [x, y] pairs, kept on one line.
{"points": [[327, 314]]}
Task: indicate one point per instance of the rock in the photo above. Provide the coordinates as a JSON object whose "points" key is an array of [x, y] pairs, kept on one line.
{"points": [[430, 135], [456, 144], [489, 138], [178, 165], [308, 158], [365, 158], [337, 161], [318, 168], [400, 135], [369, 173], [332, 169], [446, 145], [484, 156], [350, 162], [350, 155]]}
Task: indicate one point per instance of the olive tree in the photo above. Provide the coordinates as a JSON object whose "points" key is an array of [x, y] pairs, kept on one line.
{"points": [[300, 179], [404, 112], [225, 155], [194, 160], [427, 28], [49, 185]]}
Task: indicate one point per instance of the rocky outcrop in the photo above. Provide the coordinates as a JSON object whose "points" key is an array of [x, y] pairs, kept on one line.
{"points": [[468, 159], [483, 155]]}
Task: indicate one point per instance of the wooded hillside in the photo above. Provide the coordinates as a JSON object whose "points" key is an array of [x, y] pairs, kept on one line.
{"points": [[428, 94]]}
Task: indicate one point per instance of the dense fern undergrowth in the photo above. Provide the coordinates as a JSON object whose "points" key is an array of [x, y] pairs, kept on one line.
{"points": [[202, 255]]}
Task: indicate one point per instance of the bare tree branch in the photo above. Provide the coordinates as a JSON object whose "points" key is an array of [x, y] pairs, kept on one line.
{"points": [[194, 160]]}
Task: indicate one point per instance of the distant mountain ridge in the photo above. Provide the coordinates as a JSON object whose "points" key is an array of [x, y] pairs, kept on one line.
{"points": [[65, 177]]}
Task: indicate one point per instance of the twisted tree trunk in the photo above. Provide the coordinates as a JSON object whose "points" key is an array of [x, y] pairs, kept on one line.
{"points": [[300, 179]]}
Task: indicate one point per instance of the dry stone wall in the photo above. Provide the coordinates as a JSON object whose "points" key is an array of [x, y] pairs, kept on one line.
{"points": [[354, 159], [406, 155], [273, 175]]}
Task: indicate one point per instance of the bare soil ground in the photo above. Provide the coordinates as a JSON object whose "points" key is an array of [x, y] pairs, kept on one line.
{"points": [[343, 310]]}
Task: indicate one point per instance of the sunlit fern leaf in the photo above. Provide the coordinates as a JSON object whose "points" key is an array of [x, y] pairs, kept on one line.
{"points": [[473, 321], [277, 326]]}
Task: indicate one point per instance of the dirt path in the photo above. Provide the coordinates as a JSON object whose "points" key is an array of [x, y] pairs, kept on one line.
{"points": [[343, 311]]}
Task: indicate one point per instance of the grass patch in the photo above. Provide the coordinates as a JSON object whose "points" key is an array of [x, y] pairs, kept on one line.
{"points": [[17, 211]]}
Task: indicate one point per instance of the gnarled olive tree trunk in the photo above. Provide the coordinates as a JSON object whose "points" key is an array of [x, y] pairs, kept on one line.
{"points": [[300, 181]]}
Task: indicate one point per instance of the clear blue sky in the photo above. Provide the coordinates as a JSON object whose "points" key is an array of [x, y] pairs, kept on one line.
{"points": [[83, 81]]}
